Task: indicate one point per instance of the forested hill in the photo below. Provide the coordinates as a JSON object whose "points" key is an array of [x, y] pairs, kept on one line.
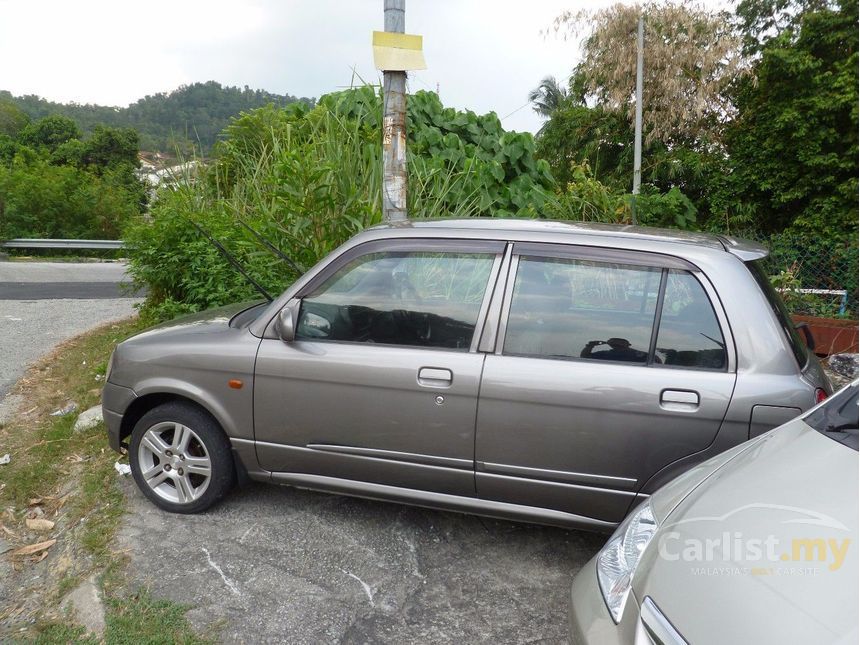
{"points": [[193, 113]]}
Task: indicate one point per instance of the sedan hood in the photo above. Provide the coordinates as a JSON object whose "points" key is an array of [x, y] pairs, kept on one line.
{"points": [[767, 551]]}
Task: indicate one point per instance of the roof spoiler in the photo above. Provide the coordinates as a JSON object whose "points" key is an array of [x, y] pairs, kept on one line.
{"points": [[743, 249]]}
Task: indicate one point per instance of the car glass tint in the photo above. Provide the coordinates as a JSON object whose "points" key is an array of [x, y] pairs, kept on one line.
{"points": [[798, 347], [571, 309], [837, 418], [400, 298], [689, 334]]}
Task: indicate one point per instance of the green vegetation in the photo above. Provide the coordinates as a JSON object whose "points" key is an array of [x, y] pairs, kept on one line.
{"points": [[793, 146], [56, 184], [759, 145], [130, 620], [140, 618], [308, 179], [190, 117]]}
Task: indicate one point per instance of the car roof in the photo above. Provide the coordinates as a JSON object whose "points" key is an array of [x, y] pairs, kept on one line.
{"points": [[744, 249]]}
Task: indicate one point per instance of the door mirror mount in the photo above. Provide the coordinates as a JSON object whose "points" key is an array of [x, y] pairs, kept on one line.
{"points": [[287, 320]]}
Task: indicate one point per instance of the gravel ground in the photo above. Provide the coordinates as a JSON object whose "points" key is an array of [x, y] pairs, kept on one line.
{"points": [[29, 329], [34, 319]]}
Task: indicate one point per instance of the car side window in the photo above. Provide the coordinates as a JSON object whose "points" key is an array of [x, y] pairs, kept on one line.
{"points": [[420, 299], [689, 334], [571, 308]]}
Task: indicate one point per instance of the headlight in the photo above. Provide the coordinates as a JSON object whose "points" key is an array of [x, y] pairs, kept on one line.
{"points": [[618, 560]]}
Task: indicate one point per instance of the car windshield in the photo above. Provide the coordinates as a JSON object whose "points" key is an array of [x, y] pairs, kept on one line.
{"points": [[837, 418], [798, 347]]}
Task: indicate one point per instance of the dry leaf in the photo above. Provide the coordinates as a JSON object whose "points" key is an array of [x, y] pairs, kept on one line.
{"points": [[34, 501], [30, 549], [39, 524], [8, 531], [40, 557]]}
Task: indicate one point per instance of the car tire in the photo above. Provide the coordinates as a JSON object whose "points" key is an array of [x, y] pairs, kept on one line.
{"points": [[180, 458]]}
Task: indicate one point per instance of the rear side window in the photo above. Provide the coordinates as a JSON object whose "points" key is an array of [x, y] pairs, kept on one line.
{"points": [[689, 333], [567, 308], [417, 299], [798, 347], [582, 309]]}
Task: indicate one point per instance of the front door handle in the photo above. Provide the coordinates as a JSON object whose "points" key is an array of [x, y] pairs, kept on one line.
{"points": [[680, 400], [435, 377]]}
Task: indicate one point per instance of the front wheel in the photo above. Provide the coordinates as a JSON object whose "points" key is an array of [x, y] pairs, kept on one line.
{"points": [[180, 458]]}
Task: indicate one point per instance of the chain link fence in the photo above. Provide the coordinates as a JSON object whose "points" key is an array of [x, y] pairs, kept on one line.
{"points": [[815, 277]]}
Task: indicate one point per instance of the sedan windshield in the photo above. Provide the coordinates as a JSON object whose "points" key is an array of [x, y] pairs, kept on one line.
{"points": [[837, 418]]}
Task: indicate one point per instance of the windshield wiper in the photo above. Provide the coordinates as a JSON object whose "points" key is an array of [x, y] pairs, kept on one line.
{"points": [[841, 427], [231, 260], [271, 247]]}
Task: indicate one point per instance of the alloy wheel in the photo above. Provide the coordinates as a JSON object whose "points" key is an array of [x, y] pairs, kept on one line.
{"points": [[174, 462]]}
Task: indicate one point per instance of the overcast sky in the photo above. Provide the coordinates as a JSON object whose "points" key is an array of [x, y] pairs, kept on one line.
{"points": [[484, 54]]}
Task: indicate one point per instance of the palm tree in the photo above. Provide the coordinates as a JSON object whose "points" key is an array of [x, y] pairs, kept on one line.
{"points": [[548, 96]]}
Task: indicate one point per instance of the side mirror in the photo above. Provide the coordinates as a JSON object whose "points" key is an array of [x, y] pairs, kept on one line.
{"points": [[807, 335], [287, 319]]}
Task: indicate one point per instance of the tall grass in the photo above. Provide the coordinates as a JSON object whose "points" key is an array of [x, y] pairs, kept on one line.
{"points": [[306, 182]]}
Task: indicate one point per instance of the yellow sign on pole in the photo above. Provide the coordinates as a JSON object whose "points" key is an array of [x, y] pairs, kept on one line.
{"points": [[397, 52]]}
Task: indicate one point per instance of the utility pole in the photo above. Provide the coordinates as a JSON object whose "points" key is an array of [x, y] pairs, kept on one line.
{"points": [[394, 125], [637, 142]]}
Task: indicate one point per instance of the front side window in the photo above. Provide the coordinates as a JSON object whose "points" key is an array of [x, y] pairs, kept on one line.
{"points": [[567, 308], [689, 333], [409, 298]]}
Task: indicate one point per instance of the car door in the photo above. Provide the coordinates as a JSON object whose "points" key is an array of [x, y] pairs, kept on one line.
{"points": [[608, 366], [381, 383]]}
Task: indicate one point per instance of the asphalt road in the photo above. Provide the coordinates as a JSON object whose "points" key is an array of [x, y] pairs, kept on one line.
{"points": [[44, 303], [275, 565]]}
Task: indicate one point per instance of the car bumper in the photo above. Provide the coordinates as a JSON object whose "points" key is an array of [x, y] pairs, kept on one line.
{"points": [[115, 401], [590, 622]]}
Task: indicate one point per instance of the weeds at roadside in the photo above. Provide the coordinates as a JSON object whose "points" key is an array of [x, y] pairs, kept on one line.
{"points": [[69, 478]]}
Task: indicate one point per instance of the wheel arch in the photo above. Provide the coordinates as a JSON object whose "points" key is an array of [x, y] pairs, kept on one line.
{"points": [[143, 404]]}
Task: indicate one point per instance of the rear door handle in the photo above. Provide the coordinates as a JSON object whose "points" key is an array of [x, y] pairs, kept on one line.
{"points": [[680, 400], [435, 377]]}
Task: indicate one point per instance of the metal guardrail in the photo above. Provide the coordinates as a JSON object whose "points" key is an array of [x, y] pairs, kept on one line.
{"points": [[28, 243]]}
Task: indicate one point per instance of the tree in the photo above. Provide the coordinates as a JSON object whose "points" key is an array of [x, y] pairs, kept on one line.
{"points": [[50, 132], [111, 146], [577, 134], [548, 96], [192, 116], [691, 54], [794, 144], [761, 20], [12, 119]]}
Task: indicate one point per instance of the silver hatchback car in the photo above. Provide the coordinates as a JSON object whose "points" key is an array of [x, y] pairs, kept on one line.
{"points": [[530, 370]]}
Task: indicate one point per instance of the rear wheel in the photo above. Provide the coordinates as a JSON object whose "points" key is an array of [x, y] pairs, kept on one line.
{"points": [[180, 458]]}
